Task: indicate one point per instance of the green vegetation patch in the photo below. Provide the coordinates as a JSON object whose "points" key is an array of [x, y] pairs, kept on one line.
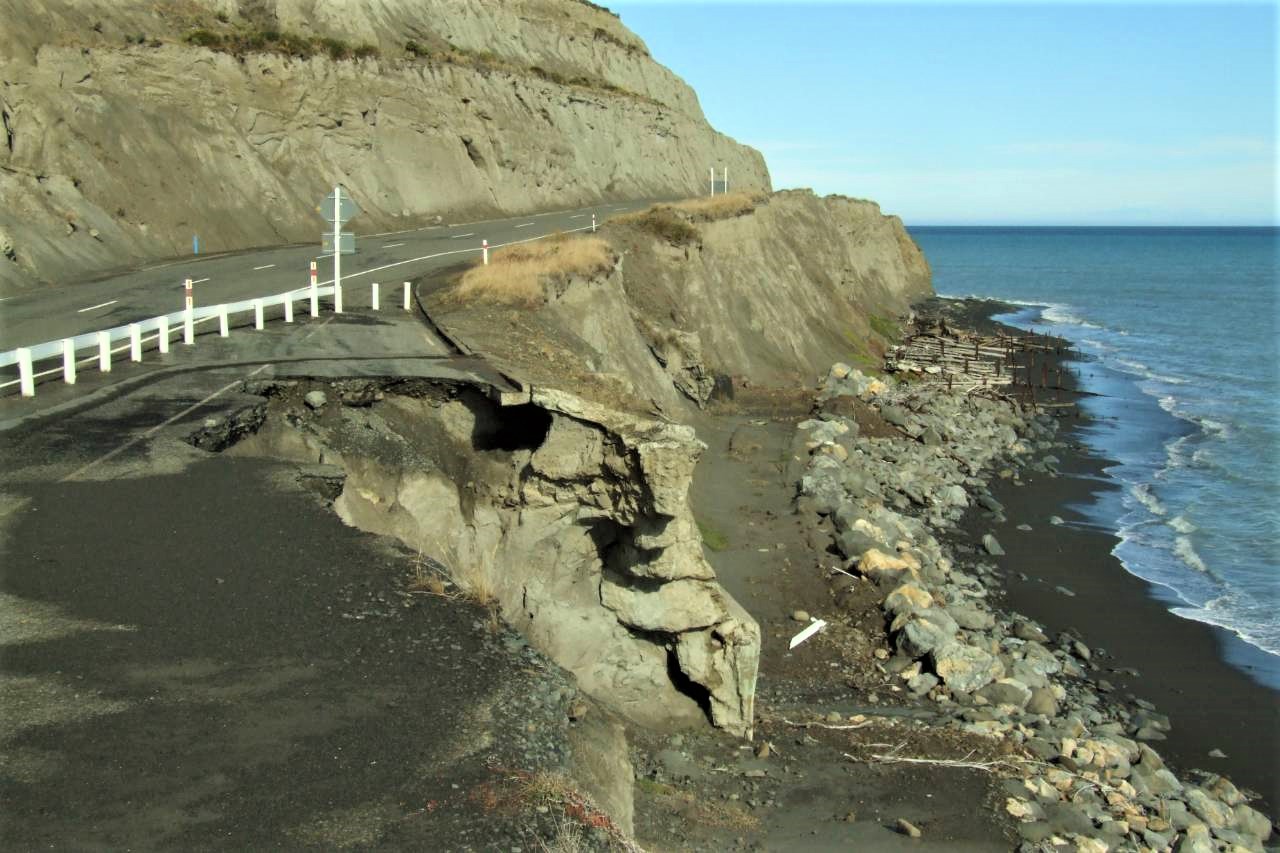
{"points": [[885, 328], [712, 537]]}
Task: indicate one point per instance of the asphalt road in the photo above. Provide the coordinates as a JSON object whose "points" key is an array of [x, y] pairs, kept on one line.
{"points": [[61, 311]]}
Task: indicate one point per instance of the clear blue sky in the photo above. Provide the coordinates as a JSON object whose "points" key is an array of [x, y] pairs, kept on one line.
{"points": [[997, 113]]}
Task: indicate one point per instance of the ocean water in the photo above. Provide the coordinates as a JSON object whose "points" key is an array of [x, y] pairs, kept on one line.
{"points": [[1178, 328]]}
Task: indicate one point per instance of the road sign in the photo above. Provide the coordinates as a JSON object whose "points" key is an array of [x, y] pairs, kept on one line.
{"points": [[346, 241], [346, 207]]}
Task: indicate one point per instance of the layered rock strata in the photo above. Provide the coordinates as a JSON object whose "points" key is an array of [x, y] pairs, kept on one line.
{"points": [[125, 134]]}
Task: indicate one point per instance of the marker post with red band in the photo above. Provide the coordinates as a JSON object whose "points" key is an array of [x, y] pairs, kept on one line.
{"points": [[315, 292], [189, 321]]}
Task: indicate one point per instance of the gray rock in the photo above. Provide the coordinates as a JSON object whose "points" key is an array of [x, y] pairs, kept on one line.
{"points": [[986, 501], [1222, 790], [1006, 691], [1056, 520], [971, 618], [854, 543], [991, 545], [1196, 840], [315, 399], [1026, 631], [1156, 782], [894, 415], [965, 668], [1217, 815], [921, 684], [1251, 822], [1042, 701], [800, 615], [1062, 590], [920, 632]]}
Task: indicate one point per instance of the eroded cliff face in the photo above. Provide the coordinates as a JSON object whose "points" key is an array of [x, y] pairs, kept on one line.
{"points": [[771, 298], [121, 140], [572, 519]]}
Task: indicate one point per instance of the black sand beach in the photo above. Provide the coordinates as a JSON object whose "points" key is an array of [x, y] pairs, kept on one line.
{"points": [[1181, 664]]}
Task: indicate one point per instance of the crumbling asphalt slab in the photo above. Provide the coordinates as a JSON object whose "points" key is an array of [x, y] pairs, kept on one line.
{"points": [[197, 653]]}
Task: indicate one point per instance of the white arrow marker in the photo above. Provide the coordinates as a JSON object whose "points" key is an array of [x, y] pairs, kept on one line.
{"points": [[814, 627]]}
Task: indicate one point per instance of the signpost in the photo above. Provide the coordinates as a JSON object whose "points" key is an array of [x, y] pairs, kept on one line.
{"points": [[337, 208]]}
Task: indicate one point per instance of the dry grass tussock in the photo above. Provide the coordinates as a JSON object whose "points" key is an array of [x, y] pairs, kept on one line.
{"points": [[518, 275], [677, 223], [716, 207]]}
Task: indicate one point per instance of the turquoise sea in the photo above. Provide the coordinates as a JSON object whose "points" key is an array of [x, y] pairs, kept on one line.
{"points": [[1178, 328]]}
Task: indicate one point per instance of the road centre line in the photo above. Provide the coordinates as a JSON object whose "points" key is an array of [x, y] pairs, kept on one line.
{"points": [[460, 236], [579, 216], [394, 264], [96, 307], [393, 245], [197, 281], [525, 225], [265, 267]]}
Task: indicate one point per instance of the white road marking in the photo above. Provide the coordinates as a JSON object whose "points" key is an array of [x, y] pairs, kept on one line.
{"points": [[188, 410], [460, 236], [197, 281], [579, 216], [264, 267], [393, 245], [525, 225], [99, 305]]}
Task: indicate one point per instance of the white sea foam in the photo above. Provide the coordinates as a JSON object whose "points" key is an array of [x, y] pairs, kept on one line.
{"points": [[1142, 494], [1187, 553], [1225, 613], [1209, 426], [1137, 368], [1063, 315], [1182, 525]]}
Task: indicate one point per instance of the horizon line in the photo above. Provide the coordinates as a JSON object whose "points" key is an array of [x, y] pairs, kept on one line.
{"points": [[1272, 226]]}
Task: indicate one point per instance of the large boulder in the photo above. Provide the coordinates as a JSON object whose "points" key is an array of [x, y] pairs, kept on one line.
{"points": [[965, 668]]}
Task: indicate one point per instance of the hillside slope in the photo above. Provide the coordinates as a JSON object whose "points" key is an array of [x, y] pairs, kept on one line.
{"points": [[130, 126], [770, 297]]}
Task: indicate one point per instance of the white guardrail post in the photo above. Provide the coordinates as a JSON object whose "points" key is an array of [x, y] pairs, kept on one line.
{"points": [[104, 352], [373, 296], [257, 314], [224, 326], [162, 333], [189, 326], [69, 361], [135, 342], [406, 296], [26, 375], [484, 248], [315, 292], [288, 307]]}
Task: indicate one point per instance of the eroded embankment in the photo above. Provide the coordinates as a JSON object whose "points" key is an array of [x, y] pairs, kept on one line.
{"points": [[570, 518]]}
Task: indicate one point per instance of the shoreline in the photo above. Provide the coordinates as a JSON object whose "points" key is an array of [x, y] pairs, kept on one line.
{"points": [[1185, 667]]}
